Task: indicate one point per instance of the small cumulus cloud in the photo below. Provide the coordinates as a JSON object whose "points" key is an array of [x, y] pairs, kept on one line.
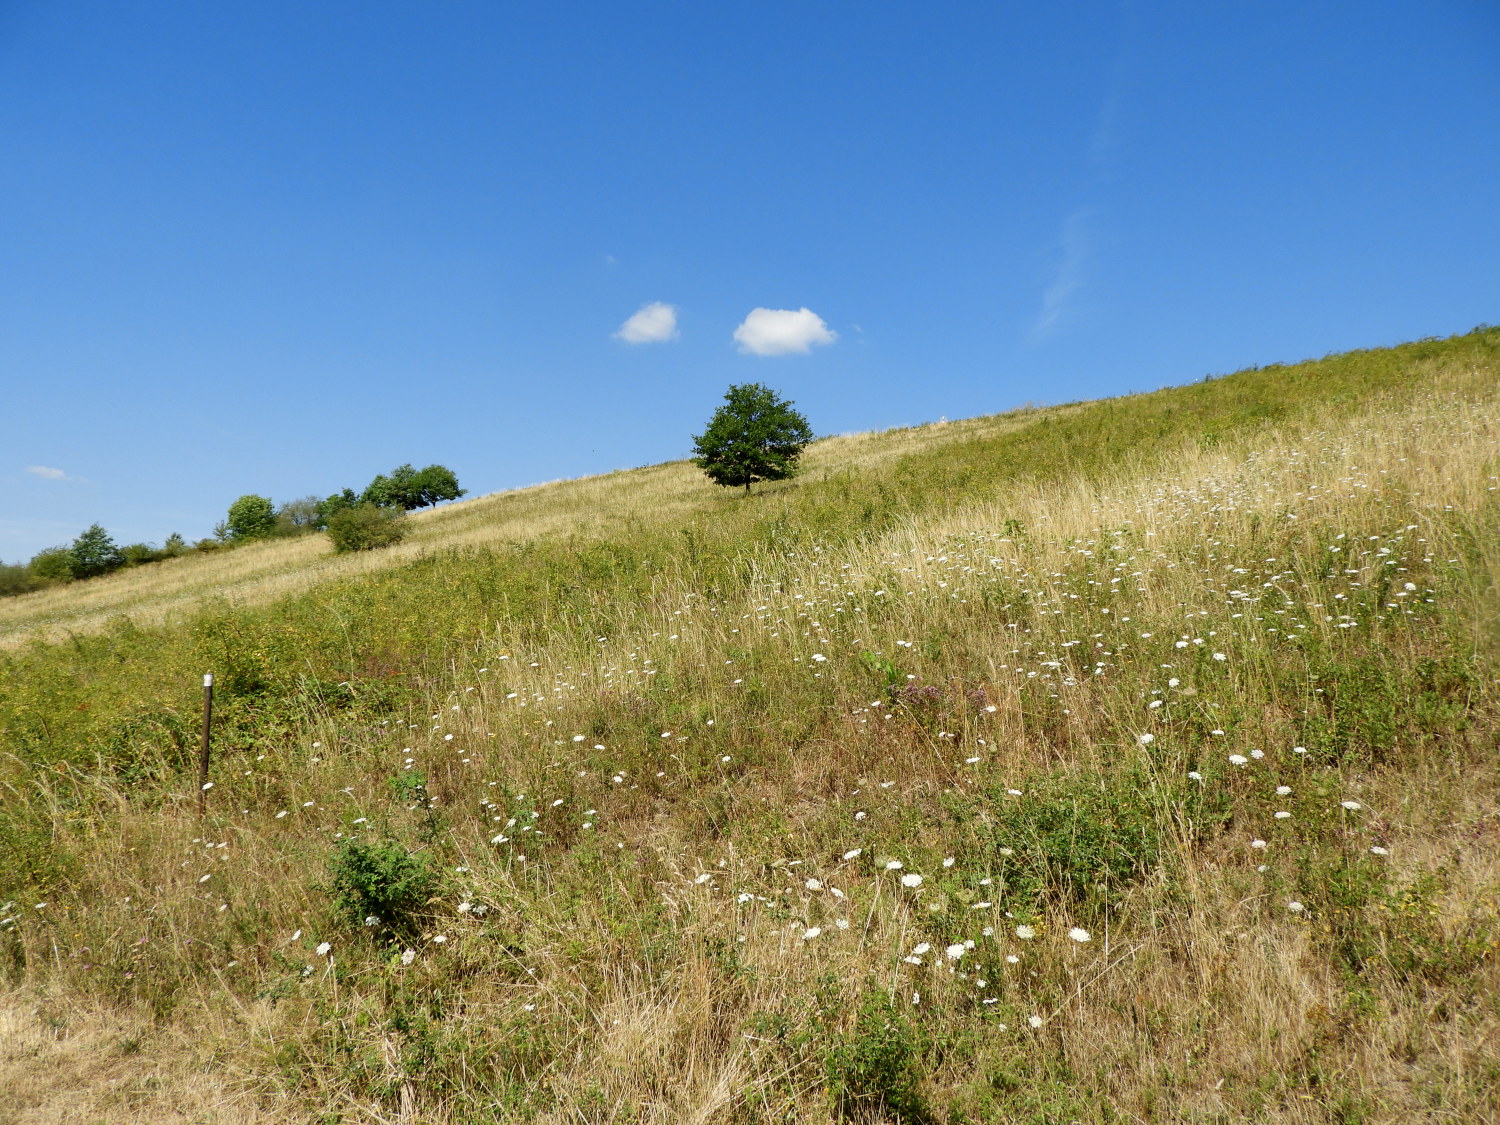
{"points": [[652, 324], [46, 472], [782, 332]]}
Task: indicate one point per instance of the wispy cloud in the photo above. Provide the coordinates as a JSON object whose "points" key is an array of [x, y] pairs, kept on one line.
{"points": [[652, 323], [782, 332], [46, 472], [1057, 301]]}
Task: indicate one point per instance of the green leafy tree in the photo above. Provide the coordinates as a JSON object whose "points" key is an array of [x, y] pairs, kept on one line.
{"points": [[345, 498], [407, 488], [94, 553], [755, 435], [435, 484], [365, 527], [174, 546], [394, 491], [251, 517]]}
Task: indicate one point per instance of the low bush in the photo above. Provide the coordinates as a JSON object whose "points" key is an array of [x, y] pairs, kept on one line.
{"points": [[872, 1071], [380, 888], [365, 527]]}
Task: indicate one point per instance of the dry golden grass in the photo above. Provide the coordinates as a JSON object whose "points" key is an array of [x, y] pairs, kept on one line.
{"points": [[68, 1064]]}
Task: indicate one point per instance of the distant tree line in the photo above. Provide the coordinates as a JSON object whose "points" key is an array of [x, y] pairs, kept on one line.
{"points": [[354, 522]]}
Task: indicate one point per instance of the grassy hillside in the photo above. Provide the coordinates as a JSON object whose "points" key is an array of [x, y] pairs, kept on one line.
{"points": [[1133, 760]]}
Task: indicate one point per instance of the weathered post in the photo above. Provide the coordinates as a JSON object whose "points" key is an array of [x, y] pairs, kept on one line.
{"points": [[208, 710]]}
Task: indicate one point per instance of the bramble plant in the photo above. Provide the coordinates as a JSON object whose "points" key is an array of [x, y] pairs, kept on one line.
{"points": [[380, 888], [754, 436]]}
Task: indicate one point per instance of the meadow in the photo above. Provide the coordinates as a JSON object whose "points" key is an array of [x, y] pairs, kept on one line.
{"points": [[1124, 761]]}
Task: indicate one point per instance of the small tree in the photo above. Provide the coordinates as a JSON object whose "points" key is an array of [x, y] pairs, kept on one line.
{"points": [[251, 517], [365, 527], [94, 553], [297, 517], [435, 484], [407, 488], [335, 503], [755, 435], [395, 491]]}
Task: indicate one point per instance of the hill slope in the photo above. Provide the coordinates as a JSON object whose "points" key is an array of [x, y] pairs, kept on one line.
{"points": [[1132, 760]]}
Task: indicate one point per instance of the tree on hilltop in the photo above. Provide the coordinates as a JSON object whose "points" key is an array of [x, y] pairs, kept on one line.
{"points": [[94, 553], [755, 435], [250, 517], [409, 488], [435, 484]]}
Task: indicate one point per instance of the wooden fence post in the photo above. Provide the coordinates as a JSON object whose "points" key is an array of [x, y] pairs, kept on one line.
{"points": [[208, 710]]}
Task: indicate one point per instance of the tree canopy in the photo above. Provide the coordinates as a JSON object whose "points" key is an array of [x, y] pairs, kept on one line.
{"points": [[409, 488], [94, 553], [754, 436], [251, 517]]}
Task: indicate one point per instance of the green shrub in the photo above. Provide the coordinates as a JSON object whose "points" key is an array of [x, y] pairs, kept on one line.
{"points": [[17, 579], [1082, 838], [365, 527], [55, 564], [383, 882], [872, 1071]]}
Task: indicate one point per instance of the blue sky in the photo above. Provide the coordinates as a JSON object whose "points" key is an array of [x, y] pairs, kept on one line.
{"points": [[279, 247]]}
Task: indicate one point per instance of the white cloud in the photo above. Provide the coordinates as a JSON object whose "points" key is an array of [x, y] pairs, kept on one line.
{"points": [[46, 473], [1057, 301], [782, 332], [652, 324]]}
